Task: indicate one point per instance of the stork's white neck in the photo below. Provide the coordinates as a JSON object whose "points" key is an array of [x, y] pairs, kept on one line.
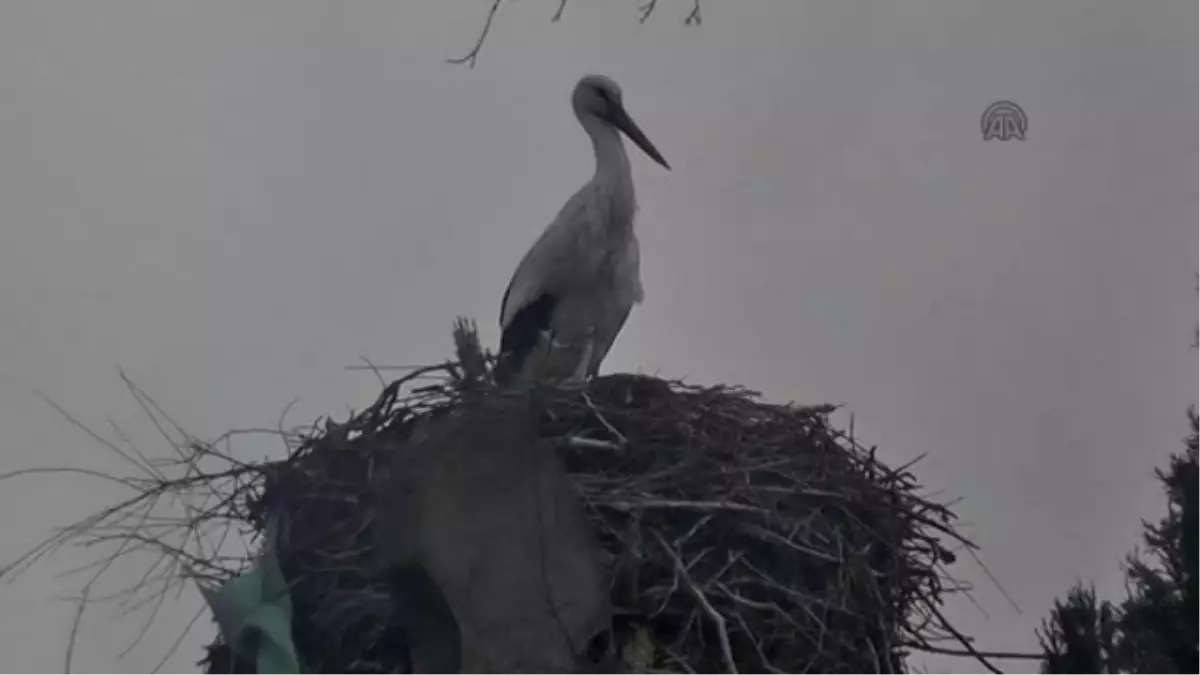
{"points": [[611, 160], [613, 172]]}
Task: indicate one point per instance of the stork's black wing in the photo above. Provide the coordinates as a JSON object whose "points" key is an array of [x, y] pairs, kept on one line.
{"points": [[520, 337]]}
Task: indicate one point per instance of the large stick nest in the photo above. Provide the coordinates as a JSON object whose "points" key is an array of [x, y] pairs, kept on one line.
{"points": [[740, 534]]}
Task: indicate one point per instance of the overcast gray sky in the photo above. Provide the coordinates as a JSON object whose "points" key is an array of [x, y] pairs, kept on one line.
{"points": [[233, 201]]}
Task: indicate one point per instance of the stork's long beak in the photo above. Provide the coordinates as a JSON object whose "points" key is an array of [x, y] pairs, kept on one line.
{"points": [[621, 120]]}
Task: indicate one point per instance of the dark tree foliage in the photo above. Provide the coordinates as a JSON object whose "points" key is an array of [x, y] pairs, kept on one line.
{"points": [[1154, 630], [1080, 634]]}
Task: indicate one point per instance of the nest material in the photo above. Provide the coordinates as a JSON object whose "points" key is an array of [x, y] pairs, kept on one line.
{"points": [[741, 535]]}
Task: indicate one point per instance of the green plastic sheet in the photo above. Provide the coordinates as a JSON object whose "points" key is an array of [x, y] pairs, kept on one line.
{"points": [[253, 611]]}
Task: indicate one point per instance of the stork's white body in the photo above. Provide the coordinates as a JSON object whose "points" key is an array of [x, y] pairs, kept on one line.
{"points": [[588, 257], [586, 264]]}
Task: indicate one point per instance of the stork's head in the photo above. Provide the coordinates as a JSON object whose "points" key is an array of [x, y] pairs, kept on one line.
{"points": [[599, 97]]}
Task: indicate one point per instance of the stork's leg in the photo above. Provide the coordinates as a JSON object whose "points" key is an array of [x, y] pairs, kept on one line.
{"points": [[579, 377]]}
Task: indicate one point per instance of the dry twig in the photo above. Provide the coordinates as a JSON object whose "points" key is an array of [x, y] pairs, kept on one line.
{"points": [[693, 18]]}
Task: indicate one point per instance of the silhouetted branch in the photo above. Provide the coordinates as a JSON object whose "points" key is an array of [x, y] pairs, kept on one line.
{"points": [[645, 10]]}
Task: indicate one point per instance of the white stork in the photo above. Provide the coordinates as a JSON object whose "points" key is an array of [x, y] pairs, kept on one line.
{"points": [[578, 282]]}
